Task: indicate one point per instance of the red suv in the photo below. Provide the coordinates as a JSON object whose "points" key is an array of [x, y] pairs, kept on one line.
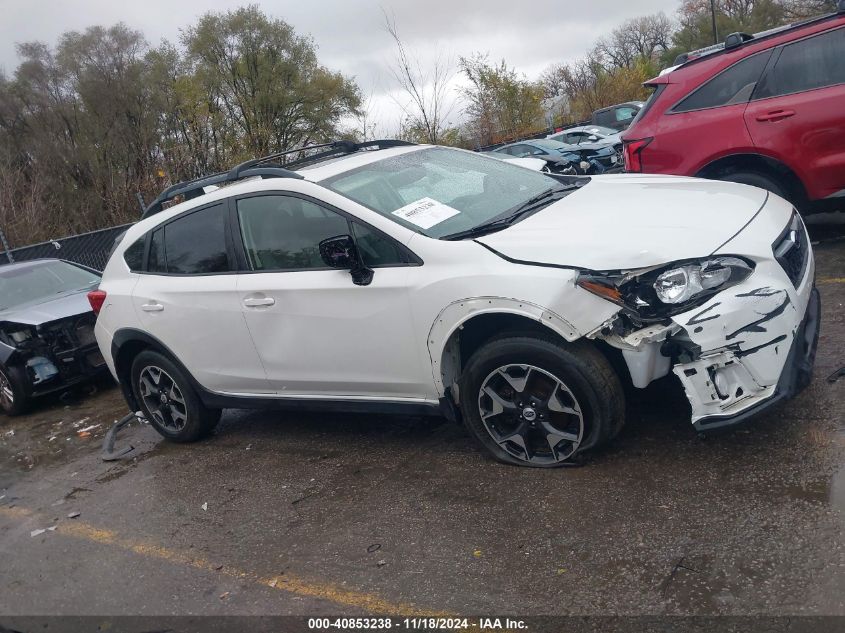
{"points": [[766, 110]]}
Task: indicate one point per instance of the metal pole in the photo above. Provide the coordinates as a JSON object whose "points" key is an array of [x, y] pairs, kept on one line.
{"points": [[713, 16], [6, 248]]}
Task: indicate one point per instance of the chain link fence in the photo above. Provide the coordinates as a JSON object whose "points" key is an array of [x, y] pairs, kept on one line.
{"points": [[89, 249]]}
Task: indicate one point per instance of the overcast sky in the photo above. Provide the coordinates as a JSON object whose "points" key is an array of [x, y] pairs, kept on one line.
{"points": [[350, 34]]}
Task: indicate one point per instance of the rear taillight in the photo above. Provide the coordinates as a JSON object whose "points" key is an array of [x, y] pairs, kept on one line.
{"points": [[97, 298], [632, 153]]}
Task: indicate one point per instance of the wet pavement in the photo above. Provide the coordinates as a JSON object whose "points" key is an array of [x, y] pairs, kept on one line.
{"points": [[327, 514]]}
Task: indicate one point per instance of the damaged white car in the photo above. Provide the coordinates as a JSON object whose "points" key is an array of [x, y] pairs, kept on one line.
{"points": [[390, 277]]}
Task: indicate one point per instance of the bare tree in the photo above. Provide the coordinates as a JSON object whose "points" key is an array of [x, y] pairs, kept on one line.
{"points": [[638, 38], [428, 104]]}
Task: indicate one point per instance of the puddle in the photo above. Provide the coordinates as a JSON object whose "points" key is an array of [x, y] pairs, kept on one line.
{"points": [[812, 491]]}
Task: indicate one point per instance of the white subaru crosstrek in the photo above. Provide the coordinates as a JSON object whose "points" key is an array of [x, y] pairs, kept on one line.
{"points": [[405, 278]]}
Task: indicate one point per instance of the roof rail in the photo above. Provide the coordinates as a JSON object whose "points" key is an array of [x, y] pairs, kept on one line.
{"points": [[257, 167]]}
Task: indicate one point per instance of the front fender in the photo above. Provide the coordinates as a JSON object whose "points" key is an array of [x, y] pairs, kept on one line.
{"points": [[453, 316]]}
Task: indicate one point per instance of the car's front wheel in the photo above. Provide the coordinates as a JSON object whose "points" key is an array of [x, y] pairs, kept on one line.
{"points": [[168, 400], [531, 401], [13, 397]]}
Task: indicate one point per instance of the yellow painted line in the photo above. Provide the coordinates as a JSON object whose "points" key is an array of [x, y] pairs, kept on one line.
{"points": [[288, 583], [831, 280]]}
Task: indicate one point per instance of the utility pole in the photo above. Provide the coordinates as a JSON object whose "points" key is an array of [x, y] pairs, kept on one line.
{"points": [[6, 248], [713, 17]]}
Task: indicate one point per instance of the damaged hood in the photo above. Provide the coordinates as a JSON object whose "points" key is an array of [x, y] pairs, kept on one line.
{"points": [[631, 221], [59, 308]]}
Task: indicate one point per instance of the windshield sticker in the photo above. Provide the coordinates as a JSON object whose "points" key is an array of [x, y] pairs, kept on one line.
{"points": [[425, 212]]}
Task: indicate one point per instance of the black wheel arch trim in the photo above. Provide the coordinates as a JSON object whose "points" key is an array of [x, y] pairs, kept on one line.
{"points": [[771, 166]]}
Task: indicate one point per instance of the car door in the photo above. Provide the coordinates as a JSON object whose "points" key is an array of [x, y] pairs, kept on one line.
{"points": [[317, 333], [797, 112], [186, 297]]}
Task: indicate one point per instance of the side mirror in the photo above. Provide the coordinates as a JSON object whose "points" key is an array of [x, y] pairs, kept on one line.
{"points": [[340, 252], [592, 138]]}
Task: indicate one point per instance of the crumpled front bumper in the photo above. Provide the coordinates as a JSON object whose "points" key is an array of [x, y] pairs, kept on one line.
{"points": [[795, 375], [753, 345]]}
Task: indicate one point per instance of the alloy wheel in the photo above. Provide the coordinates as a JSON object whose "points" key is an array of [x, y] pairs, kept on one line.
{"points": [[531, 414], [163, 398]]}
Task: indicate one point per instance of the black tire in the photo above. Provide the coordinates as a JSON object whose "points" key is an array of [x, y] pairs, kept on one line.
{"points": [[180, 416], [586, 384], [13, 378], [756, 179]]}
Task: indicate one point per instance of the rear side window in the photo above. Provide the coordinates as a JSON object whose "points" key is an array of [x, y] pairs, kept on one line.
{"points": [[733, 85], [196, 244], [812, 63], [134, 255]]}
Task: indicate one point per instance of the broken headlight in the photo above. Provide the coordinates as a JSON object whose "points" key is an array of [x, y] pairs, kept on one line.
{"points": [[656, 293]]}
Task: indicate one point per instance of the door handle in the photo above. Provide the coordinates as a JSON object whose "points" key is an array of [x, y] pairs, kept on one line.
{"points": [[255, 302], [776, 115], [152, 307]]}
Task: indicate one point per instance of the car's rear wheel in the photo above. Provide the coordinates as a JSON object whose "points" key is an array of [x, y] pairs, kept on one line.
{"points": [[756, 179], [168, 400], [531, 401], [13, 396]]}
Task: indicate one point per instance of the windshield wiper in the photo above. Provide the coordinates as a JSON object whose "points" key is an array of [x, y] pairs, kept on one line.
{"points": [[531, 205]]}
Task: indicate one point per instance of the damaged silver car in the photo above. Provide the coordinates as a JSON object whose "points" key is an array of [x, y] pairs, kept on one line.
{"points": [[46, 330]]}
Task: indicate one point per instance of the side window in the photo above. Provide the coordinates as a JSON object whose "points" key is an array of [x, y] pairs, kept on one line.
{"points": [[196, 243], [733, 85], [626, 113], [134, 255], [157, 262], [284, 233], [376, 250], [812, 63]]}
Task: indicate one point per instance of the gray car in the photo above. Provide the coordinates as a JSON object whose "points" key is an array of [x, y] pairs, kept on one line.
{"points": [[46, 330]]}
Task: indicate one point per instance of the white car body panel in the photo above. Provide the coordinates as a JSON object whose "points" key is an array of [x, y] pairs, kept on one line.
{"points": [[216, 345], [326, 338], [633, 222]]}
